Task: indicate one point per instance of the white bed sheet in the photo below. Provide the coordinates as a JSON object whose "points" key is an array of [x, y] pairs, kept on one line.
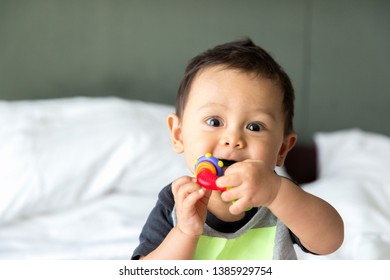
{"points": [[105, 228]]}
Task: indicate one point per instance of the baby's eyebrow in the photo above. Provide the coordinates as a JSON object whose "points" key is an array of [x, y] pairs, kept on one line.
{"points": [[257, 111], [212, 104], [267, 112]]}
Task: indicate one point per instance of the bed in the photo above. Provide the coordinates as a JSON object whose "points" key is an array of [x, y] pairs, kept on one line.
{"points": [[79, 176]]}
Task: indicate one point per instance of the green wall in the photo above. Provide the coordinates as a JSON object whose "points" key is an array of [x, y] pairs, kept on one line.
{"points": [[336, 52]]}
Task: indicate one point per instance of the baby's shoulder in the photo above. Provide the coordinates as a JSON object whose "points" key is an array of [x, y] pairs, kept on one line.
{"points": [[166, 198]]}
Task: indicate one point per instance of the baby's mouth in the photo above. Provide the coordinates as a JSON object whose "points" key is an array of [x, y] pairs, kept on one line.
{"points": [[227, 163]]}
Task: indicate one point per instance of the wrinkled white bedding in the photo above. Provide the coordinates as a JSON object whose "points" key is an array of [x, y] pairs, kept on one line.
{"points": [[78, 177], [106, 228]]}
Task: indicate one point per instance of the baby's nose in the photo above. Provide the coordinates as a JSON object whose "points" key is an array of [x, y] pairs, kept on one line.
{"points": [[233, 140]]}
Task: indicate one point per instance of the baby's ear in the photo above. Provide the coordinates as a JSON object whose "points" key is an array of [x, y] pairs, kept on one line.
{"points": [[288, 143], [175, 130]]}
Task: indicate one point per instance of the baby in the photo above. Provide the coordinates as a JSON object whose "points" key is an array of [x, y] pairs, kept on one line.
{"points": [[237, 103]]}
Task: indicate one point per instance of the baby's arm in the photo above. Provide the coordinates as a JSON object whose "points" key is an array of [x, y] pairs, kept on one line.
{"points": [[315, 222], [191, 209]]}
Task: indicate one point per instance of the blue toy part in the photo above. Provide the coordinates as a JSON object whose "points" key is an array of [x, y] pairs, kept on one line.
{"points": [[208, 157]]}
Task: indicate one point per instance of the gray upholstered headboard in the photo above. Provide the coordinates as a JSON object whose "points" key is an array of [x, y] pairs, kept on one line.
{"points": [[336, 52]]}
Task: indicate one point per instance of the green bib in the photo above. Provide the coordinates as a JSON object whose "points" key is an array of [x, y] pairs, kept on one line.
{"points": [[255, 244]]}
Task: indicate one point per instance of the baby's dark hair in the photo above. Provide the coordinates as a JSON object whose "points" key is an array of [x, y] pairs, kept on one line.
{"points": [[245, 56]]}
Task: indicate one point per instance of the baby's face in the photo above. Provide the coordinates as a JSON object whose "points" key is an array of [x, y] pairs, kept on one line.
{"points": [[233, 115]]}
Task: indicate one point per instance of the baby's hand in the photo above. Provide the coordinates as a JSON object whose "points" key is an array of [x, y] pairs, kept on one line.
{"points": [[253, 184], [191, 205]]}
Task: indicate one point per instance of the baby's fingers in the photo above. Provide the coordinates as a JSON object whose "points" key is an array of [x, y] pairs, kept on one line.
{"points": [[228, 181], [239, 206], [188, 194], [231, 193], [178, 183], [193, 198], [239, 203]]}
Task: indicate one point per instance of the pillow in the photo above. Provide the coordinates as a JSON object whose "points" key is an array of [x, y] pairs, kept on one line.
{"points": [[354, 178], [55, 153], [353, 152]]}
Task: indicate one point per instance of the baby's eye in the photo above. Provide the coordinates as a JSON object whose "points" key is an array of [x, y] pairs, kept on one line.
{"points": [[255, 127], [215, 122]]}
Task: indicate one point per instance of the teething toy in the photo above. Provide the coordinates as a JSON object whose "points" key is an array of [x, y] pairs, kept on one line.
{"points": [[207, 170]]}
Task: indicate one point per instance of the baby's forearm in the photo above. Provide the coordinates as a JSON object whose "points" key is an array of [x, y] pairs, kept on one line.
{"points": [[176, 246], [316, 223]]}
